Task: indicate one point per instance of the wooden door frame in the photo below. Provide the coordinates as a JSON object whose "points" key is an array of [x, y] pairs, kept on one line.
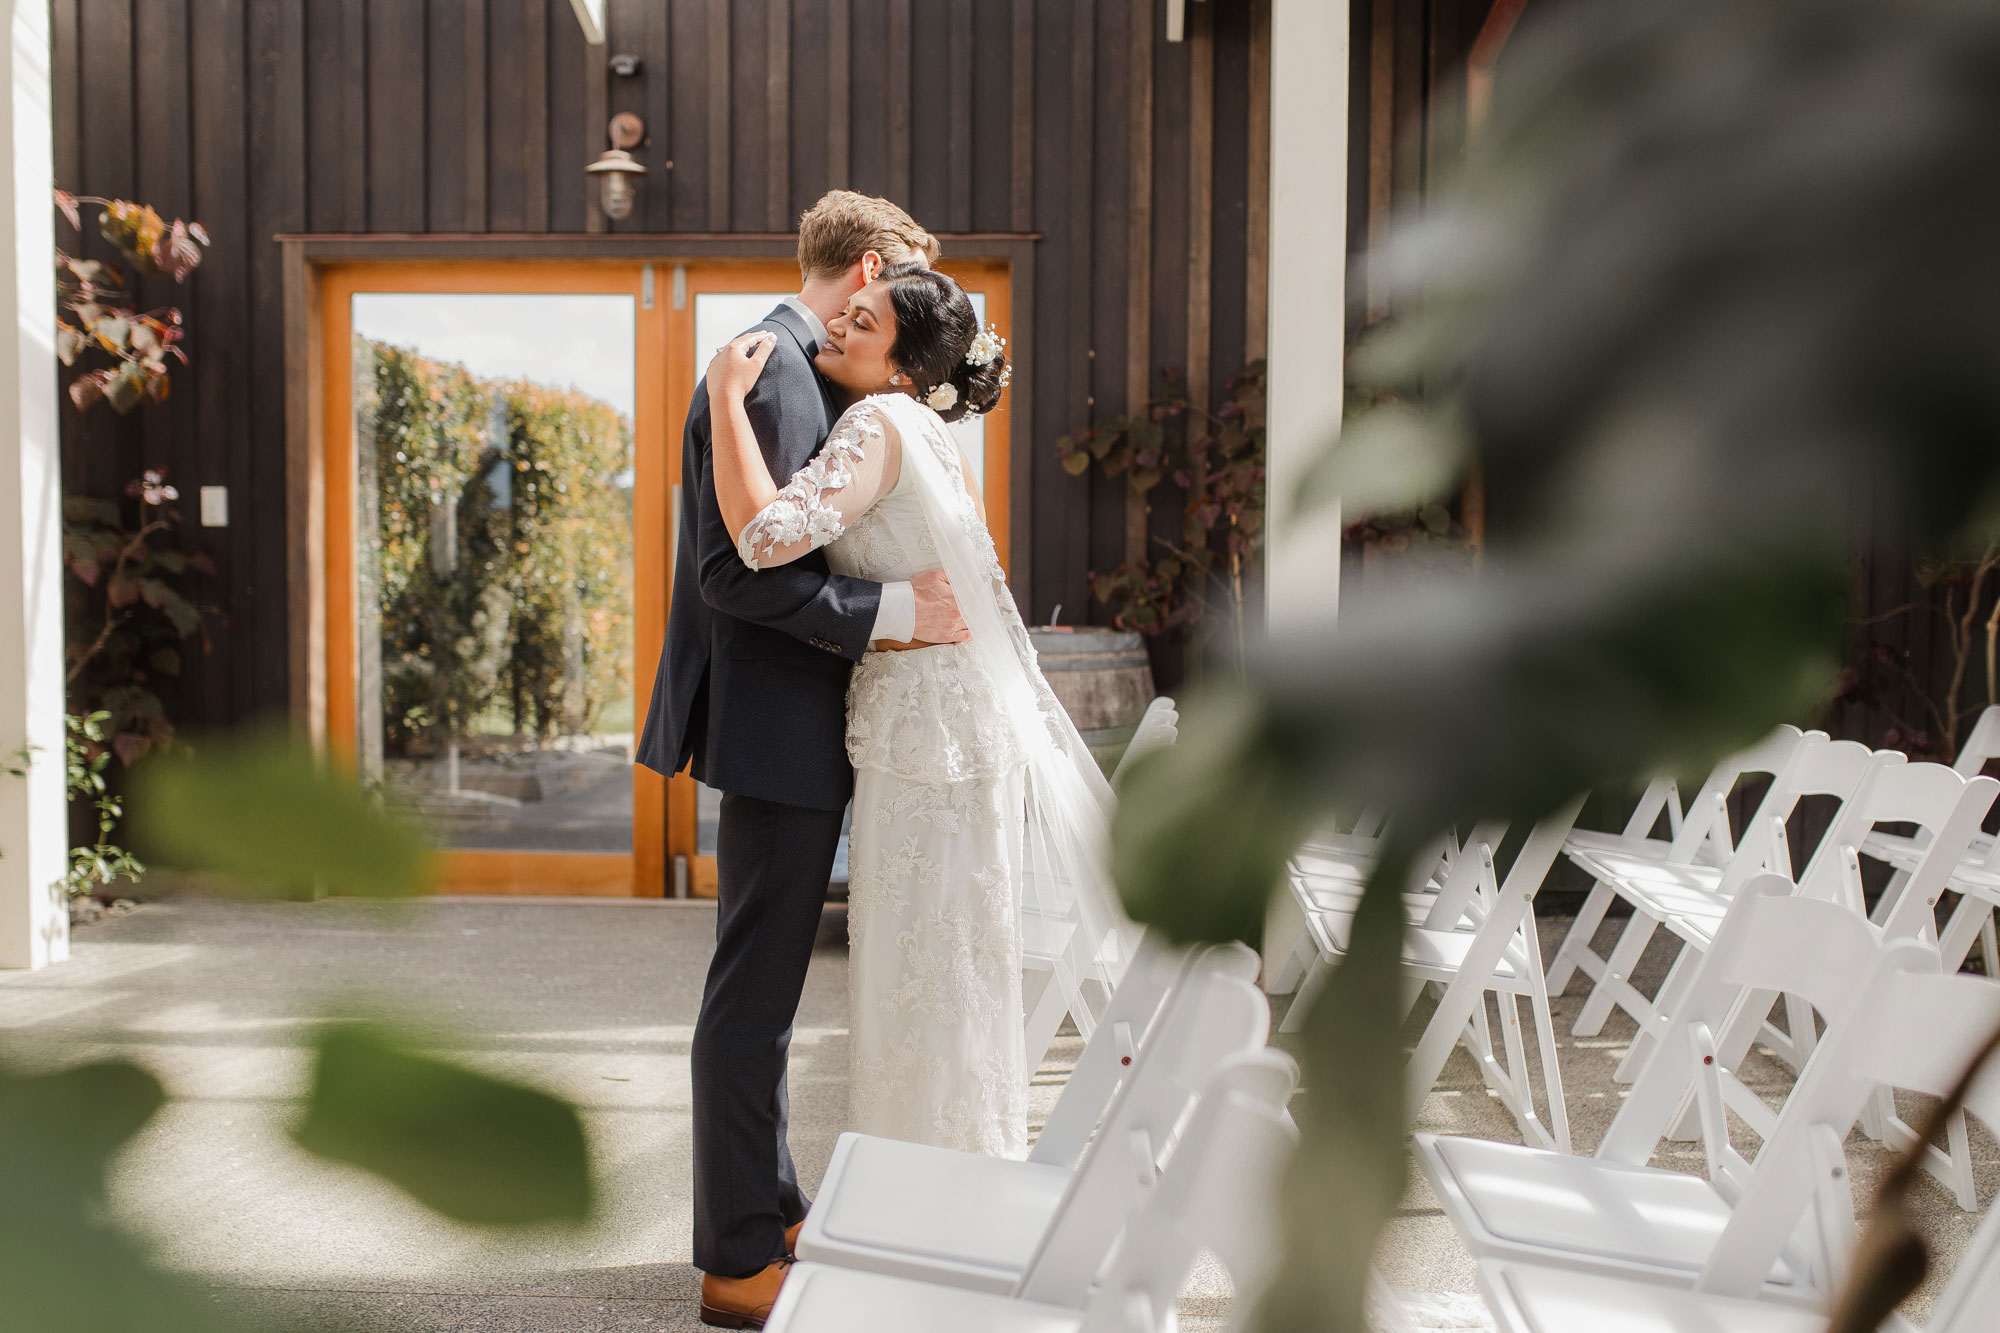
{"points": [[311, 266], [640, 871]]}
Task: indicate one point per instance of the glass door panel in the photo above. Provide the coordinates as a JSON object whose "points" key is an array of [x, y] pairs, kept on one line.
{"points": [[496, 501], [495, 468]]}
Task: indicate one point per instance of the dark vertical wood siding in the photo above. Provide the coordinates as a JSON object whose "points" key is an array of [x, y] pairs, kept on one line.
{"points": [[262, 117], [1405, 116]]}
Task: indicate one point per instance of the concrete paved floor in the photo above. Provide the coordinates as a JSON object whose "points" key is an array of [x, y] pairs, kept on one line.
{"points": [[594, 1000]]}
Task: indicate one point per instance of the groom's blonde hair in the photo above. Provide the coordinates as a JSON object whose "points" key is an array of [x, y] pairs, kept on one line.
{"points": [[843, 226]]}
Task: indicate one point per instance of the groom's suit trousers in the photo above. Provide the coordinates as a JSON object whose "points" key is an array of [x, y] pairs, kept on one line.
{"points": [[773, 862]]}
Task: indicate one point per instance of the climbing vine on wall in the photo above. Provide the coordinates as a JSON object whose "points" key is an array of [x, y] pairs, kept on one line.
{"points": [[130, 607], [1212, 463]]}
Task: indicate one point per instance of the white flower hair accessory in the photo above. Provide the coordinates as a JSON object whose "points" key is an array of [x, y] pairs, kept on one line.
{"points": [[985, 346], [943, 398]]}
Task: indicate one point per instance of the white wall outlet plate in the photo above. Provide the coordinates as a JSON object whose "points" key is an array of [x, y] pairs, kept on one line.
{"points": [[215, 506]]}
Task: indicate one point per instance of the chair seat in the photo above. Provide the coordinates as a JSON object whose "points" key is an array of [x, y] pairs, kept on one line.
{"points": [[1691, 914], [1341, 846], [1438, 954], [1318, 894], [1685, 898], [1623, 870], [1535, 1298], [1976, 880], [930, 1213], [1899, 850], [1592, 840], [1516, 1203], [1904, 852], [818, 1298]]}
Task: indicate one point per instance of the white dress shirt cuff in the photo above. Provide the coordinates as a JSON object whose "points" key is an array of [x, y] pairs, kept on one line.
{"points": [[896, 615]]}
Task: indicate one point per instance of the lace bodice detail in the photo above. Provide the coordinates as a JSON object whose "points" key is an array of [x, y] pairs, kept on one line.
{"points": [[929, 715], [888, 541], [844, 480]]}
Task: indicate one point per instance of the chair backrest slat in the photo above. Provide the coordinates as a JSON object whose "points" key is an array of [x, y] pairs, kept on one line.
{"points": [[1982, 746], [1972, 1293], [1461, 882], [1965, 802], [1769, 940], [1121, 1033], [1770, 756], [1217, 1193], [1909, 1027], [1205, 1021], [1820, 767]]}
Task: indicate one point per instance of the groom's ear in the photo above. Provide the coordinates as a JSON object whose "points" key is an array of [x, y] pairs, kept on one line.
{"points": [[871, 266]]}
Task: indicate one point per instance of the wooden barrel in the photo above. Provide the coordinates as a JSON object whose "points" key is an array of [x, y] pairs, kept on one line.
{"points": [[1103, 680]]}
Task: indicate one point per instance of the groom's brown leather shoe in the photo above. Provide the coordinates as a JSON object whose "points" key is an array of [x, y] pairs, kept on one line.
{"points": [[741, 1302], [792, 1240]]}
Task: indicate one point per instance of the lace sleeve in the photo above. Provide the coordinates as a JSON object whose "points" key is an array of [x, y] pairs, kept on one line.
{"points": [[853, 469]]}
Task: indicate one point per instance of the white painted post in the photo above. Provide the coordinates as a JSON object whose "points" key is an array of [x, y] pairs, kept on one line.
{"points": [[1307, 335], [34, 923], [1308, 275]]}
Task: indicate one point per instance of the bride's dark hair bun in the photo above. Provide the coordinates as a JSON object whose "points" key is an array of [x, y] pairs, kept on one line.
{"points": [[935, 328]]}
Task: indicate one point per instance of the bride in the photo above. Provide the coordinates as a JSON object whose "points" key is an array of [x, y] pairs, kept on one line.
{"points": [[971, 785]]}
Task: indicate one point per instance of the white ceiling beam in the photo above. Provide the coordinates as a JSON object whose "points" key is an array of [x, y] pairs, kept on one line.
{"points": [[590, 13]]}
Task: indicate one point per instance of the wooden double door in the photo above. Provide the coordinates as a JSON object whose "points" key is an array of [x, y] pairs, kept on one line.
{"points": [[501, 472]]}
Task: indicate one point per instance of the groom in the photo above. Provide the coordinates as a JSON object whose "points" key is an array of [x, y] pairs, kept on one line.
{"points": [[752, 690]]}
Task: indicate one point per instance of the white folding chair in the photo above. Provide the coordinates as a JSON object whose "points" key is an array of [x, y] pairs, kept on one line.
{"points": [[1701, 833], [1981, 747], [1478, 937], [1325, 877], [1945, 806], [1782, 1226], [1328, 861], [1037, 1227], [1947, 809], [1978, 875], [1157, 968], [1526, 1296], [1326, 881], [1688, 898], [1217, 1193], [1051, 949]]}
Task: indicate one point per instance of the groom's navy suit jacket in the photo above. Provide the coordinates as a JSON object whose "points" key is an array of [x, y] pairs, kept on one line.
{"points": [[752, 685]]}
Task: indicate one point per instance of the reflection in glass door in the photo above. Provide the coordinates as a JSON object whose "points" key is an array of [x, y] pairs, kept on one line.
{"points": [[493, 550]]}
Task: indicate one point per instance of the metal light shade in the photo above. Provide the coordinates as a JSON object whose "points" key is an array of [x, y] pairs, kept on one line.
{"points": [[616, 166]]}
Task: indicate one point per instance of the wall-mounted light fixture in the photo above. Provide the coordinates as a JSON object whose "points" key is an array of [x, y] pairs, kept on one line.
{"points": [[615, 167]]}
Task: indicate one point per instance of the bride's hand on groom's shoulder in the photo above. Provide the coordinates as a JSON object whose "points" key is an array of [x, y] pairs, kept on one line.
{"points": [[736, 367]]}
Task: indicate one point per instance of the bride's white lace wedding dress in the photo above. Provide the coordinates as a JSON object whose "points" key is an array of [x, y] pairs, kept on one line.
{"points": [[965, 768]]}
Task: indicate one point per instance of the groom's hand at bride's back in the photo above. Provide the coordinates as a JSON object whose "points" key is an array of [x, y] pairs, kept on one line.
{"points": [[938, 618]]}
